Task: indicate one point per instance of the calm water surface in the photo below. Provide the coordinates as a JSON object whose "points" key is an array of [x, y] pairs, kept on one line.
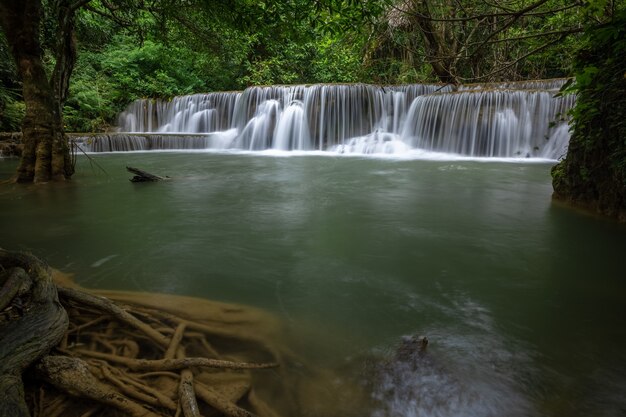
{"points": [[523, 301]]}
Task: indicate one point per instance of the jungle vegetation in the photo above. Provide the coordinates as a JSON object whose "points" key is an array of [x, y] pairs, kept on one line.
{"points": [[593, 176], [129, 49], [72, 65]]}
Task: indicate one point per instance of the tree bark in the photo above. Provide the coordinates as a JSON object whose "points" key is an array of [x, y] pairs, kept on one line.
{"points": [[65, 50], [27, 336], [438, 46], [46, 153]]}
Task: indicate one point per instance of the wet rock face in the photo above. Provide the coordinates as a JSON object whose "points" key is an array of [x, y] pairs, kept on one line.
{"points": [[10, 145], [413, 383], [410, 361], [411, 349]]}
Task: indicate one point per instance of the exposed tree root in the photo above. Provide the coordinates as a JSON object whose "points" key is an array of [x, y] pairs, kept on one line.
{"points": [[74, 377], [108, 307], [114, 360], [170, 364], [32, 323]]}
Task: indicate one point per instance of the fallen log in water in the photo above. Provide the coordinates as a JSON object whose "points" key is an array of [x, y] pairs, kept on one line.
{"points": [[143, 176]]}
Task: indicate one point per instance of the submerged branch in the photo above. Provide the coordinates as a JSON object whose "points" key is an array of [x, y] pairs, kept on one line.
{"points": [[112, 356]]}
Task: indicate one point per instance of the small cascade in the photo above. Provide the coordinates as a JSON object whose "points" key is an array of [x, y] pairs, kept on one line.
{"points": [[489, 123], [505, 120], [198, 113], [292, 131], [126, 142], [112, 143], [258, 132], [340, 112], [375, 143]]}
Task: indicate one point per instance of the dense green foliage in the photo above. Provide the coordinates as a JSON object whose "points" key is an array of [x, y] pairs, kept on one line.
{"points": [[106, 80], [11, 108], [254, 43], [162, 48], [594, 172]]}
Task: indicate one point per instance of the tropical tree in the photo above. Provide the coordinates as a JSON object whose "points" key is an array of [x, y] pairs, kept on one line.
{"points": [[46, 153]]}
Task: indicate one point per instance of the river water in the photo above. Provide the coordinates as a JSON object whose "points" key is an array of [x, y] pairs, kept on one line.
{"points": [[523, 301]]}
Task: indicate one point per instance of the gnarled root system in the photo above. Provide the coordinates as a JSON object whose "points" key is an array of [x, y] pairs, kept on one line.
{"points": [[91, 356]]}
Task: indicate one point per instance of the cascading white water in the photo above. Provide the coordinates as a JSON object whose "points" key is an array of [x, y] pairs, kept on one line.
{"points": [[125, 142], [492, 123], [506, 120], [198, 113], [292, 130], [258, 132]]}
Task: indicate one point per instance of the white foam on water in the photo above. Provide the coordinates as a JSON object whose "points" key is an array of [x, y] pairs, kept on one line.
{"points": [[467, 371]]}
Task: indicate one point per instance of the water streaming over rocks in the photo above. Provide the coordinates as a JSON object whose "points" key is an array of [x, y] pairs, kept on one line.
{"points": [[505, 120]]}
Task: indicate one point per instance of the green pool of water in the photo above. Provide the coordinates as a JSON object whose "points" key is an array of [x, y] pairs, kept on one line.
{"points": [[523, 301]]}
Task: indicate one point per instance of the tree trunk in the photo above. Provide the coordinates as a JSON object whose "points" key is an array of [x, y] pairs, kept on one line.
{"points": [[439, 50], [65, 50], [46, 153]]}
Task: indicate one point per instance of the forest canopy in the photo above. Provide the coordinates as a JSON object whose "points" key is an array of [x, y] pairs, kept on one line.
{"points": [[129, 49]]}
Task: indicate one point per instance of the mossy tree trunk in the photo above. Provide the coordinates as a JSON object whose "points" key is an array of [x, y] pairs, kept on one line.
{"points": [[46, 154]]}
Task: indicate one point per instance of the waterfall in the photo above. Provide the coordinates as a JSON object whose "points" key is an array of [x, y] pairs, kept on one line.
{"points": [[198, 113], [505, 120], [292, 131], [486, 123], [257, 134]]}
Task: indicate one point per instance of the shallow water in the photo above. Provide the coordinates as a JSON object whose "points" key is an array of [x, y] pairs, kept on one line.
{"points": [[522, 300]]}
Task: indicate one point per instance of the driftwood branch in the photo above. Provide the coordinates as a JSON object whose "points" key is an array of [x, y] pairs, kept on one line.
{"points": [[134, 389], [15, 282], [186, 389], [143, 176], [212, 398]]}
